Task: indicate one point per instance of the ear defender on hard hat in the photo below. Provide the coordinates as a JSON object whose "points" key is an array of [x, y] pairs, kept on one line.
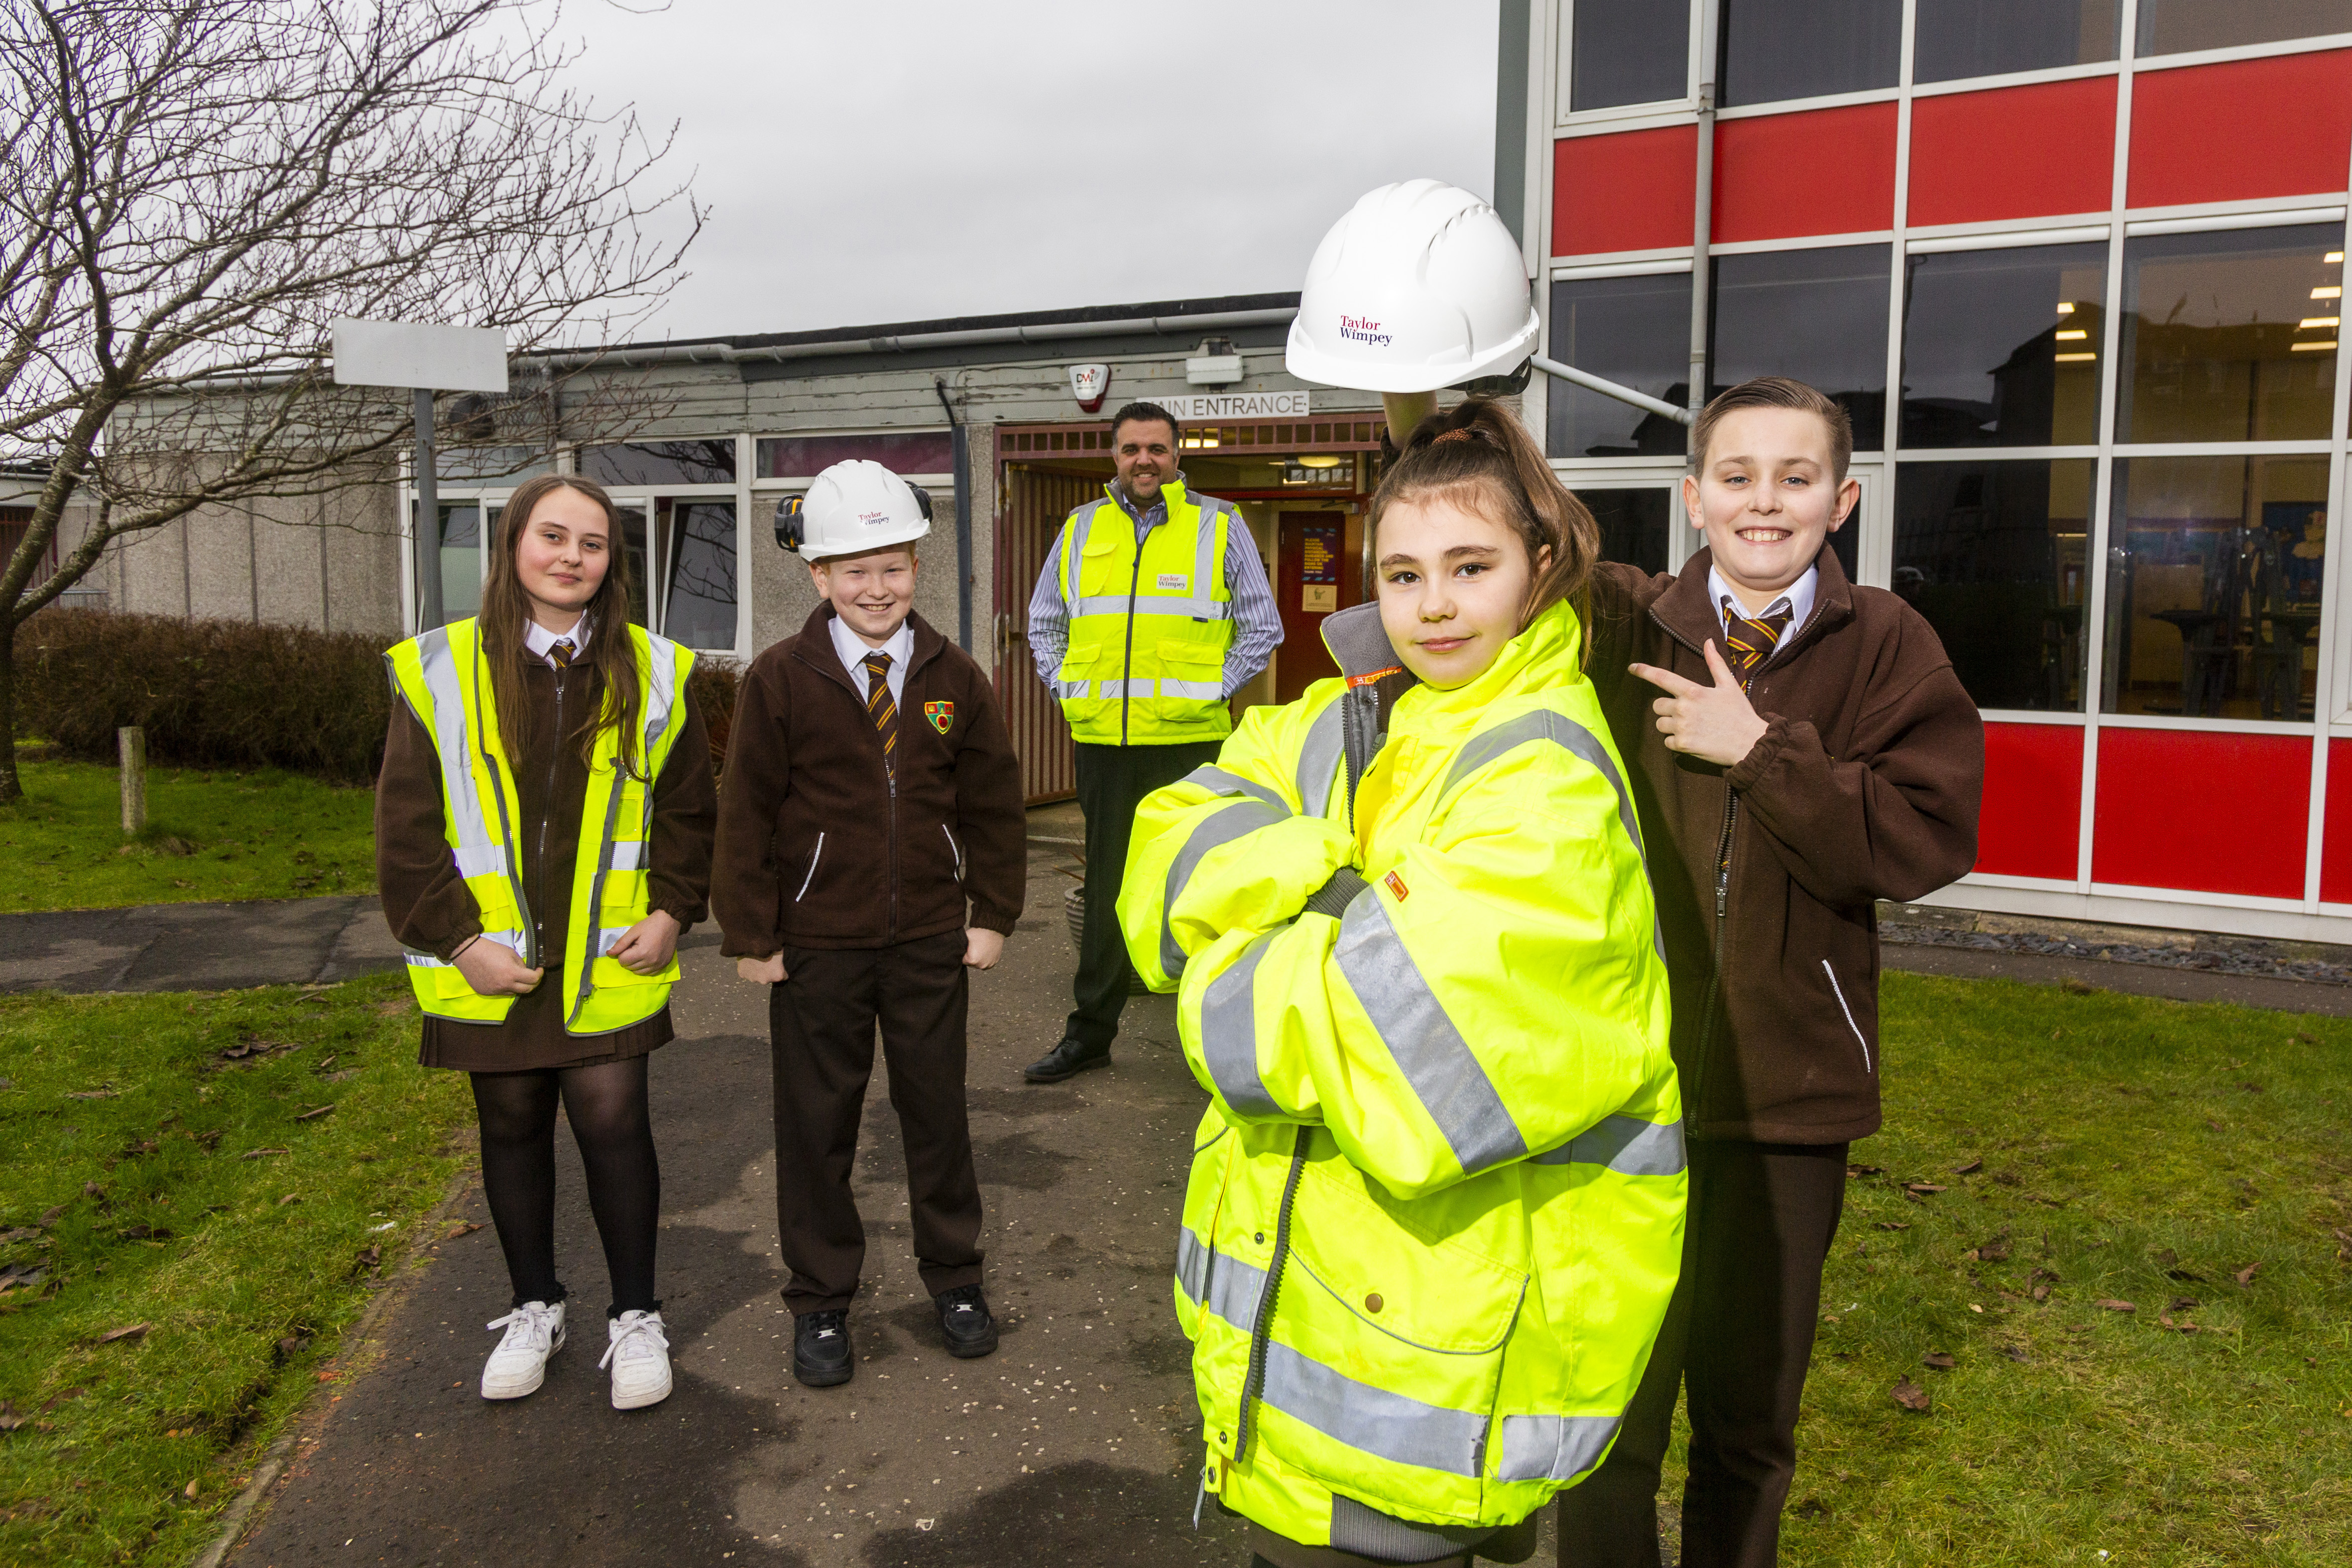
{"points": [[922, 502], [791, 530]]}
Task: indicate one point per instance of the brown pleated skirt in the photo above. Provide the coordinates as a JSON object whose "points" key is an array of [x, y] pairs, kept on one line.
{"points": [[531, 1037]]}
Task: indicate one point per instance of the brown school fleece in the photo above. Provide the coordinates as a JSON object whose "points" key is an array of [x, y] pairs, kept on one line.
{"points": [[816, 851], [1768, 873]]}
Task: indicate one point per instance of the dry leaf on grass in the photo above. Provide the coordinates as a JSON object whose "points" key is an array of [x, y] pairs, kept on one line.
{"points": [[1970, 1169], [258, 1153], [1941, 1360], [1854, 1170], [2245, 1277], [10, 1419], [2112, 1305], [127, 1331], [1910, 1396], [1894, 1225], [313, 1114], [463, 1227]]}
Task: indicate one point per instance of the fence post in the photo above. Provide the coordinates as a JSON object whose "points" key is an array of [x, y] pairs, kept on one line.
{"points": [[132, 742]]}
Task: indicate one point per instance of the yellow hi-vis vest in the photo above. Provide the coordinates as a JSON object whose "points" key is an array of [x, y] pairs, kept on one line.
{"points": [[1148, 627], [443, 679], [1435, 1209]]}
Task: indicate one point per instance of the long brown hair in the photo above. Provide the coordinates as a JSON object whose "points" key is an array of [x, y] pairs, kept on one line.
{"points": [[1480, 457], [612, 653]]}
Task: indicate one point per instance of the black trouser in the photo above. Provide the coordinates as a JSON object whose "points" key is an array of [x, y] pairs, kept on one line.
{"points": [[1739, 1332], [821, 1021], [1112, 782]]}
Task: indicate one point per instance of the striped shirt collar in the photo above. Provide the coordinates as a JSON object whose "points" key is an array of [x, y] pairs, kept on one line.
{"points": [[538, 639]]}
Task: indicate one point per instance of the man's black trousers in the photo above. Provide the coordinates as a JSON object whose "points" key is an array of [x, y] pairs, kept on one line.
{"points": [[1739, 1332], [821, 1022], [1112, 782]]}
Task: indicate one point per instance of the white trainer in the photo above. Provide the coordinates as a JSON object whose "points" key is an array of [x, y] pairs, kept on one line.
{"points": [[639, 1357], [534, 1332]]}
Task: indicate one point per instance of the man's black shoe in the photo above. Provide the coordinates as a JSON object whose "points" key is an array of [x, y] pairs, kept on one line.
{"points": [[964, 1320], [821, 1355], [1067, 1060]]}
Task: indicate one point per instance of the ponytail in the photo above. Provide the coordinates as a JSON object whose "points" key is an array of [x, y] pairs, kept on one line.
{"points": [[1479, 456]]}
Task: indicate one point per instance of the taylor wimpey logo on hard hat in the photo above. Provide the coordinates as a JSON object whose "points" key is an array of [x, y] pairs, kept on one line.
{"points": [[874, 518], [1363, 329]]}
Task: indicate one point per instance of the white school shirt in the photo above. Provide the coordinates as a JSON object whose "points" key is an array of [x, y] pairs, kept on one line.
{"points": [[852, 650], [539, 640]]}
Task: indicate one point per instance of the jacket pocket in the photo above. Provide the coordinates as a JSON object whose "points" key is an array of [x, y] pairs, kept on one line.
{"points": [[1846, 1008], [816, 855], [1388, 1352]]}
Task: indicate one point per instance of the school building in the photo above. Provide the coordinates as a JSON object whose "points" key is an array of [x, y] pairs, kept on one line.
{"points": [[2074, 265]]}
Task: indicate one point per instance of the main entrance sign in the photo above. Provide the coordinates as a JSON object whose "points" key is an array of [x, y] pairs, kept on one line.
{"points": [[1238, 405]]}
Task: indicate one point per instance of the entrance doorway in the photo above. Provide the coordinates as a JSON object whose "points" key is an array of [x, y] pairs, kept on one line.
{"points": [[1316, 573]]}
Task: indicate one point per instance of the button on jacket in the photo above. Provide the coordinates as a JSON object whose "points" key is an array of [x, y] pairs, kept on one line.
{"points": [[1865, 786], [1435, 1207], [815, 849]]}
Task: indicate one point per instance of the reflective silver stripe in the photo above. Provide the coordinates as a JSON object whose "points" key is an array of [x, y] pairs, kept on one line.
{"points": [[1206, 578], [606, 936], [1573, 737], [484, 860], [816, 855], [1191, 607], [1109, 689], [660, 699], [1217, 780], [1229, 1034], [1454, 1089], [1390, 1425], [511, 940], [1080, 520], [1213, 831], [1318, 760], [631, 854], [1217, 1282], [1625, 1144], [1193, 691], [1553, 1448], [1070, 690], [450, 738], [599, 941]]}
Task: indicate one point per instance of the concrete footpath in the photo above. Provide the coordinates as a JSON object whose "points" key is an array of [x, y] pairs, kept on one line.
{"points": [[1077, 1443], [197, 947]]}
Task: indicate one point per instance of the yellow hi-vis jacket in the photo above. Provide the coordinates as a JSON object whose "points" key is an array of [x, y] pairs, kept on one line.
{"points": [[1148, 627], [1435, 1209], [443, 677]]}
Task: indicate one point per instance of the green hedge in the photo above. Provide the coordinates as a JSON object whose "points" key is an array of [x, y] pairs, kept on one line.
{"points": [[230, 693]]}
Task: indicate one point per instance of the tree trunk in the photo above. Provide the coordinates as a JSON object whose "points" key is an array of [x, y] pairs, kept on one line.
{"points": [[12, 788]]}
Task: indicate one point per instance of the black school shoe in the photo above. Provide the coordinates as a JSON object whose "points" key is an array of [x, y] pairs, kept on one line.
{"points": [[965, 1321], [821, 1355], [1065, 1060]]}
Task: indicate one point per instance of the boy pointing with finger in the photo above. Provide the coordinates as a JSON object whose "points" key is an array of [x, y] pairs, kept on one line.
{"points": [[1800, 749]]}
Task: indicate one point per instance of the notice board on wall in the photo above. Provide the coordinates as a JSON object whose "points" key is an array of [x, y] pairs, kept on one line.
{"points": [[1319, 566]]}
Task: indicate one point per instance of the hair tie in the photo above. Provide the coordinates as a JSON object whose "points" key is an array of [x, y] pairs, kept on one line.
{"points": [[1462, 434]]}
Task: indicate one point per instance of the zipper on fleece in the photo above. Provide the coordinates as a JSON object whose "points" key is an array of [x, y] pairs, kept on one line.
{"points": [[953, 847], [1262, 1326], [1695, 1106], [547, 810], [814, 856], [1839, 992]]}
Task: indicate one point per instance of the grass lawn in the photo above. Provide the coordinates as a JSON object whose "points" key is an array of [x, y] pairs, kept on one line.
{"points": [[184, 1237], [2092, 1149], [211, 836]]}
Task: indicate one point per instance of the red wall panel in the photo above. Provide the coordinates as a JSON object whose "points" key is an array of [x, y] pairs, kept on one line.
{"points": [[2032, 817], [2204, 812], [1828, 171], [1627, 192], [2336, 835], [2275, 127], [2018, 151]]}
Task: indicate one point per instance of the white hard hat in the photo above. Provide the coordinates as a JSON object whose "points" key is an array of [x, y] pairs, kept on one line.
{"points": [[1419, 286], [851, 507]]}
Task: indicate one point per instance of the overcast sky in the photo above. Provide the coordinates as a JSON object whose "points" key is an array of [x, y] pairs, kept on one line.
{"points": [[901, 160]]}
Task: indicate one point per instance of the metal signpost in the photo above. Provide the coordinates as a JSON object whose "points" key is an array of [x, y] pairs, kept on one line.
{"points": [[428, 359]]}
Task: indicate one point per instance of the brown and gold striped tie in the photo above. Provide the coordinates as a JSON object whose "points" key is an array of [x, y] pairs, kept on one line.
{"points": [[1749, 640], [885, 712], [561, 654]]}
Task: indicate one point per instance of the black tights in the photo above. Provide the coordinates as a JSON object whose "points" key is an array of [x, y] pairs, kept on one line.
{"points": [[606, 1107]]}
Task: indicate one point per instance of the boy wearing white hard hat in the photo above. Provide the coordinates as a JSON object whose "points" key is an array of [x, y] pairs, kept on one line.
{"points": [[870, 853]]}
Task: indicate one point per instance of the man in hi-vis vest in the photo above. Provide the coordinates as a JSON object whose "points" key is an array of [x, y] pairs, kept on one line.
{"points": [[1152, 610]]}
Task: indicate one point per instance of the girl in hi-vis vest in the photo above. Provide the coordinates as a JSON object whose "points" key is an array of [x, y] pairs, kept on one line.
{"points": [[543, 826], [1435, 1208]]}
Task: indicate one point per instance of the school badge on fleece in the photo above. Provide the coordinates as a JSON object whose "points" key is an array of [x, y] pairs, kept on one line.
{"points": [[941, 714]]}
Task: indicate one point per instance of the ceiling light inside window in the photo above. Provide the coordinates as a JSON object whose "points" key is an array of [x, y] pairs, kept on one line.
{"points": [[2328, 291], [2072, 359], [2311, 322], [1318, 461], [2076, 335], [2329, 347], [2065, 307], [2334, 258]]}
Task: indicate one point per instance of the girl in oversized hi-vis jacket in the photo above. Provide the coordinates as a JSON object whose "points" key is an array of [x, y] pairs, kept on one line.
{"points": [[1436, 1203]]}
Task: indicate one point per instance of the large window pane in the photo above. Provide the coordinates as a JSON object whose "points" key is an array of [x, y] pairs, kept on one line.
{"points": [[634, 463], [1632, 331], [633, 544], [1778, 49], [1818, 316], [698, 558], [1633, 523], [2231, 337], [1959, 38], [461, 559], [2213, 579], [2176, 27], [488, 465], [1629, 51], [1992, 554], [901, 452], [2000, 348]]}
